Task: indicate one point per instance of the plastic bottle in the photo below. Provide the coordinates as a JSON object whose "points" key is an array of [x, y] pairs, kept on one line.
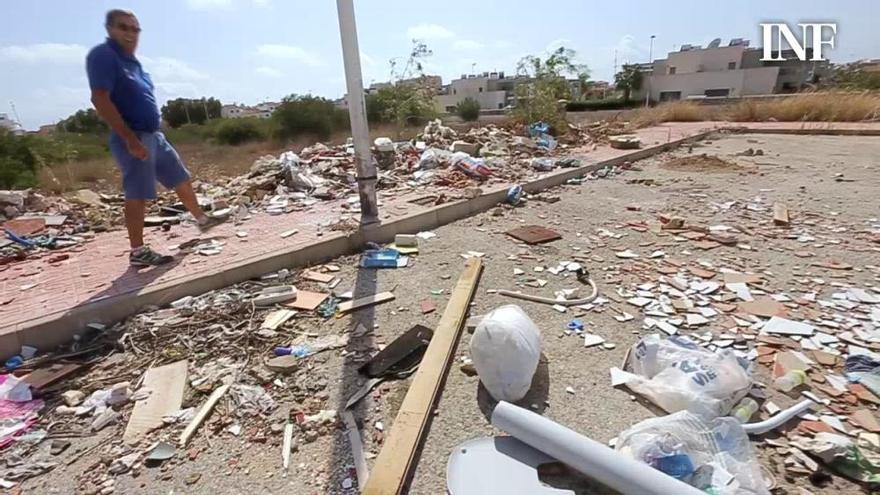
{"points": [[299, 351], [790, 380], [744, 410]]}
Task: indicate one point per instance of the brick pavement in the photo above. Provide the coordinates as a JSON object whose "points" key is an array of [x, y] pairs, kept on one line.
{"points": [[99, 270]]}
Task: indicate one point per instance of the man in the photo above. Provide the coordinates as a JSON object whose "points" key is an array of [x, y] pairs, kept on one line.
{"points": [[123, 96]]}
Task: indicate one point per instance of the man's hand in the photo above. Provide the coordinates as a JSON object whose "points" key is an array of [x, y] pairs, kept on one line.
{"points": [[136, 148]]}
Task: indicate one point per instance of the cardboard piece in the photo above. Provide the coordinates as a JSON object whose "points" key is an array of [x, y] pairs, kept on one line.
{"points": [[780, 215], [166, 385], [307, 301], [324, 278], [25, 226]]}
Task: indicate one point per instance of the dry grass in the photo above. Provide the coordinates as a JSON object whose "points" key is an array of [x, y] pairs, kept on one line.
{"points": [[676, 111], [206, 161], [808, 107]]}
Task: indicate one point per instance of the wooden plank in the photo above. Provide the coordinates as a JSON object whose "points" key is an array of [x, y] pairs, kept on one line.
{"points": [[397, 456], [363, 302], [203, 413], [780, 214], [277, 318], [43, 377], [166, 385]]}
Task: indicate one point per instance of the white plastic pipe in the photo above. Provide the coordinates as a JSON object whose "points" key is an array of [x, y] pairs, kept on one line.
{"points": [[588, 457], [594, 293], [778, 420]]}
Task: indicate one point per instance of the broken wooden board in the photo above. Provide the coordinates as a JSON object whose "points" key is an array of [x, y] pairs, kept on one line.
{"points": [[763, 306], [323, 278], [203, 413], [363, 302], [166, 385], [277, 318], [401, 354], [780, 215], [307, 301], [534, 234], [43, 377], [397, 457]]}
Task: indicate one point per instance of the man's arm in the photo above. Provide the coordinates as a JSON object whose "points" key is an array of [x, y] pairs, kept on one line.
{"points": [[107, 111]]}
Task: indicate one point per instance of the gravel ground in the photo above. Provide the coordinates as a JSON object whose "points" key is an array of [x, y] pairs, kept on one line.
{"points": [[797, 170]]}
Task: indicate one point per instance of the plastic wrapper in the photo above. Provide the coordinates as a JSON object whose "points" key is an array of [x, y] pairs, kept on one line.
{"points": [[505, 348], [713, 455], [677, 374]]}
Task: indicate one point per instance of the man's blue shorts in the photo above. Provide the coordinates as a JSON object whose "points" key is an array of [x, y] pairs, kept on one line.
{"points": [[139, 176]]}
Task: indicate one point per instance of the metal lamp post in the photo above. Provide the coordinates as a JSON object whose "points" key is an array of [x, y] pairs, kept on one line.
{"points": [[357, 112], [650, 61]]}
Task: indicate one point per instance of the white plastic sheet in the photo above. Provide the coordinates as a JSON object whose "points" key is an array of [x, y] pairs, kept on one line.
{"points": [[505, 348]]}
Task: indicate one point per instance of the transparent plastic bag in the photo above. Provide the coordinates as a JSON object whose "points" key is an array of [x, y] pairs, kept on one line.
{"points": [[505, 348], [713, 455], [677, 374]]}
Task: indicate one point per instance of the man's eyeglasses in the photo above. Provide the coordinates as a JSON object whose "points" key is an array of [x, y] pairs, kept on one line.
{"points": [[127, 28]]}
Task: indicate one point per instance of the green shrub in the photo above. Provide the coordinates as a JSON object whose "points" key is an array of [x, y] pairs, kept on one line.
{"points": [[402, 104], [237, 131], [309, 116], [468, 109], [610, 104], [22, 156]]}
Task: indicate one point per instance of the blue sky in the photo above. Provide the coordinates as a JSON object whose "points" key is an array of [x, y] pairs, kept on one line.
{"points": [[253, 50]]}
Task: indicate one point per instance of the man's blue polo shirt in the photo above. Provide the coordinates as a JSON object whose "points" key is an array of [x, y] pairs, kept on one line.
{"points": [[131, 89]]}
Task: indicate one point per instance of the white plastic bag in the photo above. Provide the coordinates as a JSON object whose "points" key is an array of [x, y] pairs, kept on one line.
{"points": [[713, 455], [505, 348], [677, 374]]}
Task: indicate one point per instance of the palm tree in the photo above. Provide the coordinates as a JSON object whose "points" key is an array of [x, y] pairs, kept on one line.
{"points": [[629, 79]]}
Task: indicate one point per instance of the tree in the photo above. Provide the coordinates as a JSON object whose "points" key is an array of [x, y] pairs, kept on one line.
{"points": [[539, 98], [309, 115], [629, 79], [468, 109], [854, 77], [188, 111], [410, 97], [83, 122]]}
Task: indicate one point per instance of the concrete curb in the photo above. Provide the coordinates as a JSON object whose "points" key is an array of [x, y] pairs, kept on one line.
{"points": [[48, 331], [805, 131]]}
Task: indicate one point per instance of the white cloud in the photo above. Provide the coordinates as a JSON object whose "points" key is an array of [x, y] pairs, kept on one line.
{"points": [[268, 71], [426, 31], [467, 45], [171, 69], [52, 53], [289, 52], [367, 61]]}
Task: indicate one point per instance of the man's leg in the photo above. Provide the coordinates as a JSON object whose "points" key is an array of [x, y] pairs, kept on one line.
{"points": [[172, 174], [187, 196], [134, 221]]}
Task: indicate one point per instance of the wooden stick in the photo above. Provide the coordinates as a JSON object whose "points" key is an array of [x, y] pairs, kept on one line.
{"points": [[397, 456], [381, 297], [202, 414], [285, 446]]}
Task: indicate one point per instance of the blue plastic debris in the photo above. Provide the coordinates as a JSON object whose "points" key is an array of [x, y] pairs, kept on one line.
{"points": [[382, 258], [576, 325], [514, 194], [538, 128], [299, 351]]}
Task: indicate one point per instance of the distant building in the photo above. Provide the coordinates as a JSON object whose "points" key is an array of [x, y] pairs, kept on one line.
{"points": [[47, 129], [433, 83], [730, 71], [235, 111], [492, 90], [10, 125]]}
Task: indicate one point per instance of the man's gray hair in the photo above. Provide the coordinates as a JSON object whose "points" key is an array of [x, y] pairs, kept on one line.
{"points": [[113, 14]]}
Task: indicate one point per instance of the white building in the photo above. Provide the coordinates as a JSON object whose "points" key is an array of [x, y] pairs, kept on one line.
{"points": [[491, 90], [729, 71], [12, 126], [235, 111]]}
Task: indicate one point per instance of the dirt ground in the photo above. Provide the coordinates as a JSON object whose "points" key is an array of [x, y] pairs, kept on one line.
{"points": [[800, 171]]}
